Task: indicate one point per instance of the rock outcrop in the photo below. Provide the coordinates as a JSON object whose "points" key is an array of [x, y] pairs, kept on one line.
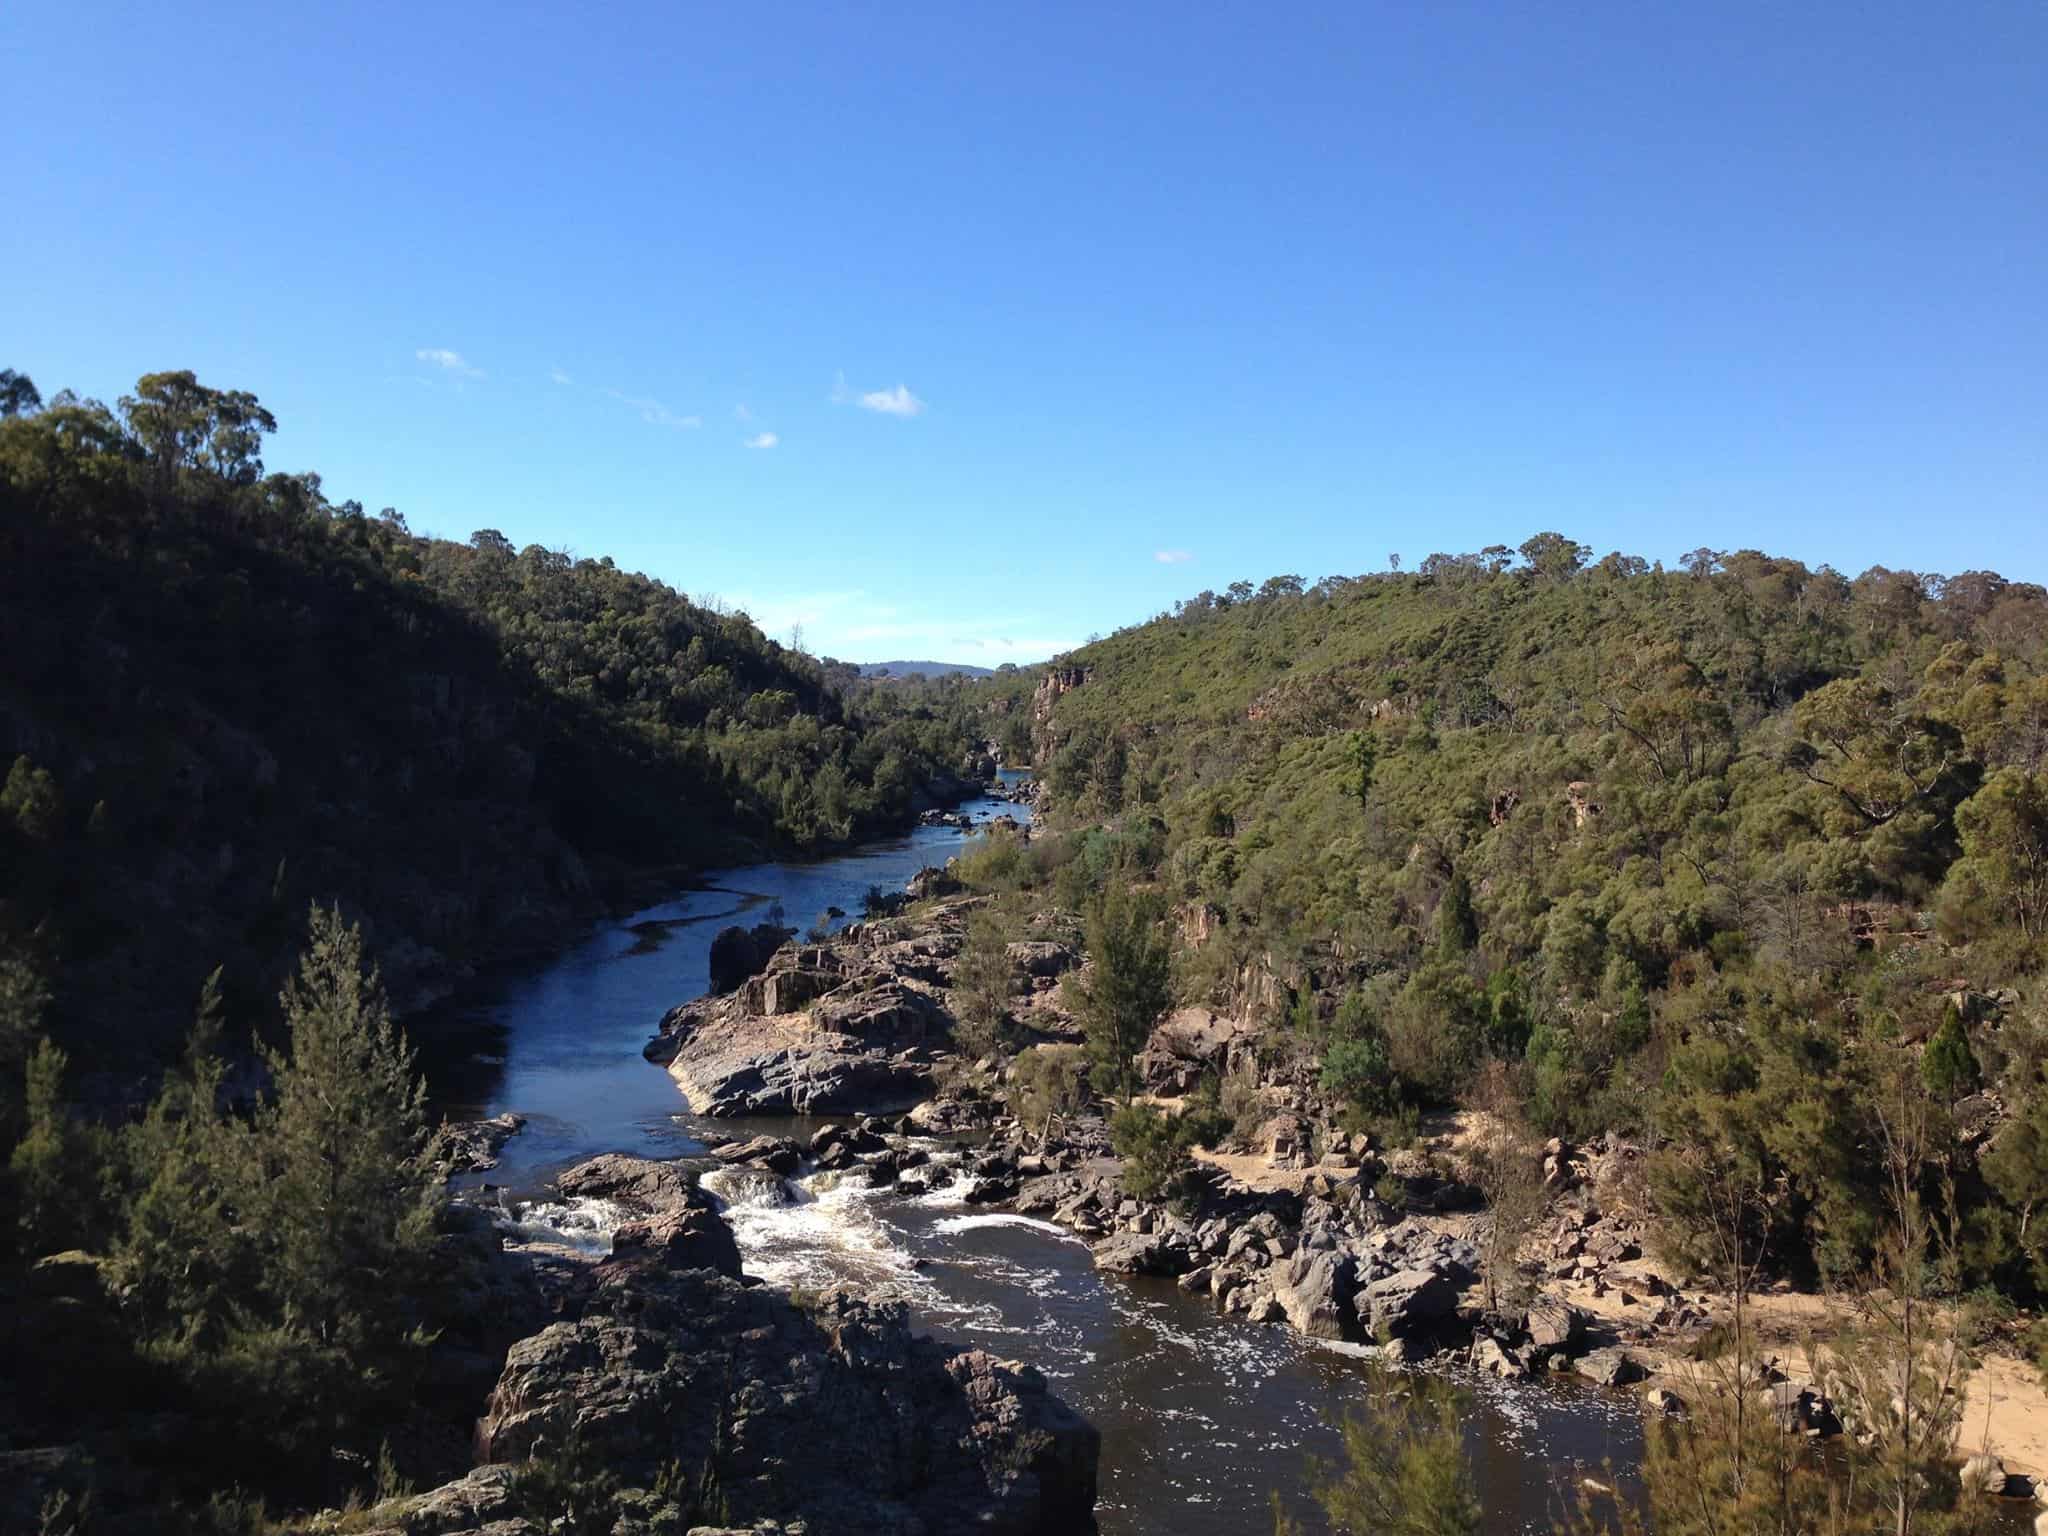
{"points": [[738, 953], [836, 1415], [1192, 1043], [822, 1028], [675, 1224]]}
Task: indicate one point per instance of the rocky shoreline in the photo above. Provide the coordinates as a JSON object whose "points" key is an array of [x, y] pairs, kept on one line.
{"points": [[1330, 1234], [1327, 1233], [716, 1403]]}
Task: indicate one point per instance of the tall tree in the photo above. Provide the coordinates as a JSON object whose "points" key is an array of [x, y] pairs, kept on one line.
{"points": [[18, 394], [343, 1191], [1125, 990]]}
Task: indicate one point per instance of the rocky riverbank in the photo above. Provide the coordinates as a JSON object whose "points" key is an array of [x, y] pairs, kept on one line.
{"points": [[1302, 1225], [693, 1398]]}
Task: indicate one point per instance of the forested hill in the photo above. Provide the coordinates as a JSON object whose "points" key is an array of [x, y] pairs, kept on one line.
{"points": [[1600, 822], [223, 695]]}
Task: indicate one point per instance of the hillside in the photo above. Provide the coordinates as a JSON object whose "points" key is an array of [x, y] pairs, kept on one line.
{"points": [[1640, 835], [226, 695], [923, 669]]}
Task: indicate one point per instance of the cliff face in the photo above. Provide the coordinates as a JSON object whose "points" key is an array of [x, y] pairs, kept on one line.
{"points": [[1056, 682]]}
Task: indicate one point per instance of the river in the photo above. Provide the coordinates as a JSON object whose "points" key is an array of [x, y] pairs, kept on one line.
{"points": [[1201, 1417]]}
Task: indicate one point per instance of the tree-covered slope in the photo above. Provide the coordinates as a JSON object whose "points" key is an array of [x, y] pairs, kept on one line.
{"points": [[226, 695], [1627, 830]]}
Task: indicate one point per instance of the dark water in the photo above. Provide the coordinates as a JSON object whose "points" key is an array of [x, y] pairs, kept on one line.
{"points": [[1200, 1417]]}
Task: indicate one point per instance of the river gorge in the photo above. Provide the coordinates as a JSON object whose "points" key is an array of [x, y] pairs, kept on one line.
{"points": [[1202, 1416]]}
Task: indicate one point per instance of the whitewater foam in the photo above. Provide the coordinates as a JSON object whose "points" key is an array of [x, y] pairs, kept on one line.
{"points": [[585, 1224]]}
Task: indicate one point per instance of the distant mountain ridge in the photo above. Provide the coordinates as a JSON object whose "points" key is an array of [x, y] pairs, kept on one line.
{"points": [[923, 669]]}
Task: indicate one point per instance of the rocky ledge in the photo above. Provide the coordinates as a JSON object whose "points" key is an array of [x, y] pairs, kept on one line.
{"points": [[718, 1403], [853, 1025]]}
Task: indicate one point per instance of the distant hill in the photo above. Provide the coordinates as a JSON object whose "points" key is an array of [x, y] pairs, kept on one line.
{"points": [[922, 669]]}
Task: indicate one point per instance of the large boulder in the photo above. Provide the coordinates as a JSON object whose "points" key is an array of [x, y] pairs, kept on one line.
{"points": [[777, 1153], [1139, 1253], [1191, 1044], [1407, 1302], [676, 1225], [835, 1414], [737, 953], [697, 1238], [824, 1075], [1611, 1367], [1316, 1290], [639, 1183], [1553, 1326], [472, 1146], [1042, 959], [887, 1013]]}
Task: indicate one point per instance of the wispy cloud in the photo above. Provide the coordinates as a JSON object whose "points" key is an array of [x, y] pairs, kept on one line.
{"points": [[889, 402], [892, 402], [1173, 557], [763, 440], [560, 377], [654, 413], [740, 413], [450, 360]]}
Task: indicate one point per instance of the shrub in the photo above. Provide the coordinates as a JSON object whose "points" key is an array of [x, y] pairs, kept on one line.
{"points": [[1154, 1149]]}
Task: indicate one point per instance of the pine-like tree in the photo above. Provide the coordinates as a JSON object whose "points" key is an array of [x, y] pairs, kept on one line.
{"points": [[1125, 990], [341, 1192]]}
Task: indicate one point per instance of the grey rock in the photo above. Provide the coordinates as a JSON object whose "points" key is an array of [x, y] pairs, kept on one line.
{"points": [[1610, 1367], [1406, 1302], [1315, 1291]]}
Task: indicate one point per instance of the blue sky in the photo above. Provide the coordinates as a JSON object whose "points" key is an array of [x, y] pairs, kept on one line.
{"points": [[1151, 298]]}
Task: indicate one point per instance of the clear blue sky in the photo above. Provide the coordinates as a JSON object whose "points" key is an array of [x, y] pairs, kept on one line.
{"points": [[1161, 296]]}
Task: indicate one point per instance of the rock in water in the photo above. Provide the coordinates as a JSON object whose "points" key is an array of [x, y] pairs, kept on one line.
{"points": [[1611, 1367], [677, 1225], [1316, 1294], [1554, 1326], [1409, 1301]]}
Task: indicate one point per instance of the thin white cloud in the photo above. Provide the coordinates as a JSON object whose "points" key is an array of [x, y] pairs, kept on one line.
{"points": [[763, 440], [740, 413], [892, 402], [450, 360], [889, 402], [654, 413], [560, 377], [1173, 557]]}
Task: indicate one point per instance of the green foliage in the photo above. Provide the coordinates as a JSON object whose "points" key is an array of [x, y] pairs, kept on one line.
{"points": [[1404, 1470], [982, 978], [1356, 1070], [2002, 878], [341, 1193], [45, 1165], [1124, 991], [419, 725], [994, 861], [1154, 1148], [1625, 830], [1048, 1083], [1457, 925], [1949, 1066], [30, 800]]}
